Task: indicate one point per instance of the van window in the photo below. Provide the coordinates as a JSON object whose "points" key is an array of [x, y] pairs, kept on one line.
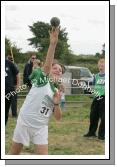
{"points": [[85, 73]]}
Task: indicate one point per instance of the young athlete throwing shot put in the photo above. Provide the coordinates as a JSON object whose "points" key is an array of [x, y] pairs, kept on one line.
{"points": [[41, 102]]}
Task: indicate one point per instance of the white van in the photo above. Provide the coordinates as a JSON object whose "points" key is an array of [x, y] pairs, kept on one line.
{"points": [[74, 76]]}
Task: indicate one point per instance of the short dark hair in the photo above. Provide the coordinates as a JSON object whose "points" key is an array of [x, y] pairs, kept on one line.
{"points": [[33, 55], [101, 60], [10, 57]]}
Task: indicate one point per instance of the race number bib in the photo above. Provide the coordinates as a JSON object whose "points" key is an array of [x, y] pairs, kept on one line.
{"points": [[46, 107], [45, 111]]}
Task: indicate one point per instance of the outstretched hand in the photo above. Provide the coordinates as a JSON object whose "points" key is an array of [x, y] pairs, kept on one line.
{"points": [[57, 97], [54, 35]]}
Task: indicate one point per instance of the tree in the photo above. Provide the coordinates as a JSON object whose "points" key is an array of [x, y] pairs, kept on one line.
{"points": [[7, 47], [97, 54], [69, 59], [40, 40], [103, 49], [12, 49]]}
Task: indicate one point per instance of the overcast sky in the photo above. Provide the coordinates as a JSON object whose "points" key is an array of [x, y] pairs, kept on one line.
{"points": [[85, 24]]}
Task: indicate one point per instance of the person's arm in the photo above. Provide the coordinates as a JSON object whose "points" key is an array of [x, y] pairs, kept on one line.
{"points": [[15, 72], [32, 75], [57, 112], [17, 80], [51, 50], [25, 73], [57, 109]]}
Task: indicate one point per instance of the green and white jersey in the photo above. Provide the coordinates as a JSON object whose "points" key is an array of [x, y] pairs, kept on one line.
{"points": [[100, 84], [38, 105], [38, 78]]}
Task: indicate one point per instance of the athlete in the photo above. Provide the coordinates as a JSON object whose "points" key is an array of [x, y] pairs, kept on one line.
{"points": [[98, 105], [42, 101]]}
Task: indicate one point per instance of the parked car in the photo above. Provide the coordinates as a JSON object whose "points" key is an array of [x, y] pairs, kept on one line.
{"points": [[75, 78]]}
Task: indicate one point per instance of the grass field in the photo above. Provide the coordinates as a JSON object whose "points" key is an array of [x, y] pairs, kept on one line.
{"points": [[66, 136]]}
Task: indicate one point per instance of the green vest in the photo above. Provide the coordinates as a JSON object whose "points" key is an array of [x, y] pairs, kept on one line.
{"points": [[38, 79], [99, 84]]}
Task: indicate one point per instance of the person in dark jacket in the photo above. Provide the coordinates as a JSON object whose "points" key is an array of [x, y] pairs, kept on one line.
{"points": [[11, 72], [13, 98], [28, 70]]}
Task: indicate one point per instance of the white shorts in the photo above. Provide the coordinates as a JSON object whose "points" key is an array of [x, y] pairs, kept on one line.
{"points": [[25, 135]]}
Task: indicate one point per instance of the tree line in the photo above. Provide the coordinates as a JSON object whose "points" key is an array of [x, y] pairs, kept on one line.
{"points": [[40, 41]]}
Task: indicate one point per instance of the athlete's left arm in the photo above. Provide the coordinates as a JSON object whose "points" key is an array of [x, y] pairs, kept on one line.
{"points": [[57, 109], [57, 112]]}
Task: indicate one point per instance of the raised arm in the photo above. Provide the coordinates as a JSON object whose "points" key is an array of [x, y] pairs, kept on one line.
{"points": [[51, 50]]}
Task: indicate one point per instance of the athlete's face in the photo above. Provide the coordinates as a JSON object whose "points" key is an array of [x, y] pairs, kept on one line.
{"points": [[56, 72], [101, 66]]}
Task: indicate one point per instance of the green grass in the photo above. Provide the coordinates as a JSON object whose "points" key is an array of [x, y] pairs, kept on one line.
{"points": [[66, 136], [77, 98]]}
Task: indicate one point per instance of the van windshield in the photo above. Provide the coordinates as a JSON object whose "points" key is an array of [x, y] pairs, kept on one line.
{"points": [[85, 73]]}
